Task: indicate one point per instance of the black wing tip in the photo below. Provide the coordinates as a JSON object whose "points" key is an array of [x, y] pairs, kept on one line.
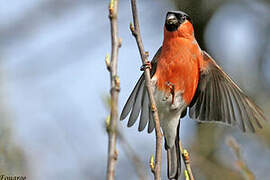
{"points": [[128, 125], [124, 112], [122, 117], [151, 127], [140, 129], [149, 131], [131, 122]]}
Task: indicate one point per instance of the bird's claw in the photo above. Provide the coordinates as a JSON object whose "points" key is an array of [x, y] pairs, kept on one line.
{"points": [[145, 66], [171, 86]]}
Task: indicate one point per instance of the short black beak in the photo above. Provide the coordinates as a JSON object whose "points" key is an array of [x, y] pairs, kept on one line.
{"points": [[172, 22], [171, 19]]}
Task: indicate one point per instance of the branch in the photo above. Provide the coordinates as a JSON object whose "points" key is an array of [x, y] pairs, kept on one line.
{"points": [[131, 154], [231, 142], [144, 55], [115, 88], [185, 156]]}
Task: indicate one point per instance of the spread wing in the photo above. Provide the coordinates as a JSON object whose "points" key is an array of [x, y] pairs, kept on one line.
{"points": [[219, 99], [138, 101]]}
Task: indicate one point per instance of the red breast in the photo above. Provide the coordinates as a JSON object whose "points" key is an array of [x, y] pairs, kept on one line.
{"points": [[178, 63]]}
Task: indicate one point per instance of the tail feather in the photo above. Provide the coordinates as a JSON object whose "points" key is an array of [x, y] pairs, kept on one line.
{"points": [[174, 159]]}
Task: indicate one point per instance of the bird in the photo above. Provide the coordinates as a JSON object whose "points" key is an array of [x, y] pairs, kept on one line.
{"points": [[185, 77]]}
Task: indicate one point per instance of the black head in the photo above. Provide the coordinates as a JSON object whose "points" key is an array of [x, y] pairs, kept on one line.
{"points": [[174, 19]]}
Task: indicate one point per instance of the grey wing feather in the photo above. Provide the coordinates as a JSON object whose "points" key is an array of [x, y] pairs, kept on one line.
{"points": [[151, 124], [138, 101], [131, 99], [145, 111], [219, 99], [136, 106]]}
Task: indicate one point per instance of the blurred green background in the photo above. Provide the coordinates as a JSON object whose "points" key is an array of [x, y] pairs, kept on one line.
{"points": [[53, 80]]}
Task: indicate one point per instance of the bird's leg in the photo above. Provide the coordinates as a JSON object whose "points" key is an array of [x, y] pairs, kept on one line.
{"points": [[145, 66], [171, 86]]}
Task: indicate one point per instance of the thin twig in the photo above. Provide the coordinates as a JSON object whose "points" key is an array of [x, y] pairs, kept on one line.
{"points": [[115, 88], [247, 173], [131, 154], [127, 148], [144, 55], [186, 158]]}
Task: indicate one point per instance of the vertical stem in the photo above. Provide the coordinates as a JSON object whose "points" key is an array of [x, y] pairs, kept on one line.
{"points": [[244, 169], [144, 56], [186, 158], [115, 87]]}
